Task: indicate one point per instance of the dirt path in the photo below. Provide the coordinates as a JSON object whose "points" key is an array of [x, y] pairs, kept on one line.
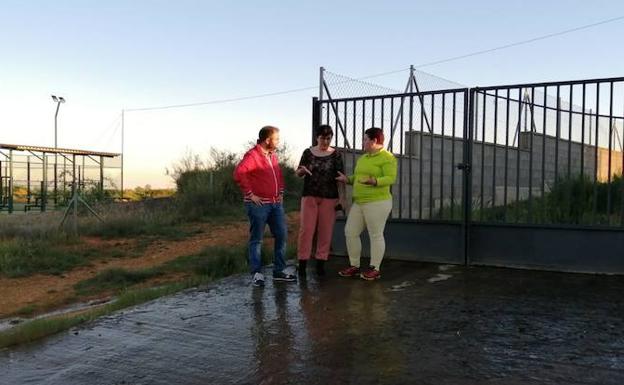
{"points": [[47, 292]]}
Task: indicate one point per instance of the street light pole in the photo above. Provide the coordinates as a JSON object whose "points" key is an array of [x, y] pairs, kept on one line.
{"points": [[123, 112], [58, 100]]}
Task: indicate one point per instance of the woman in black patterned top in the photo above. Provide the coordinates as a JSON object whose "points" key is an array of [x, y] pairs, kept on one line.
{"points": [[321, 197]]}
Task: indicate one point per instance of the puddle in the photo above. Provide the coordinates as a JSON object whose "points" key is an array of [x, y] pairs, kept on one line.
{"points": [[486, 326], [402, 286], [446, 267], [439, 277]]}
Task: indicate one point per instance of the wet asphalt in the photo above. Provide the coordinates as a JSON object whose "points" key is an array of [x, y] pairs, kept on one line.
{"points": [[420, 324]]}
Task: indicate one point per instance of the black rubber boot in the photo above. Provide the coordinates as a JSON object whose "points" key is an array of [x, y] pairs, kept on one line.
{"points": [[302, 267], [320, 267]]}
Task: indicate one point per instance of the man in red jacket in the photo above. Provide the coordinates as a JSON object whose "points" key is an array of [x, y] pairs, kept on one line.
{"points": [[260, 179]]}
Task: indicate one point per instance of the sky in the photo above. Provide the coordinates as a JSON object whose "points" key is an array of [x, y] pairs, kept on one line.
{"points": [[105, 57]]}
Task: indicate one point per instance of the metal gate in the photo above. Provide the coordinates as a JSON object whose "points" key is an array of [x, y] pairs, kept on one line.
{"points": [[496, 175]]}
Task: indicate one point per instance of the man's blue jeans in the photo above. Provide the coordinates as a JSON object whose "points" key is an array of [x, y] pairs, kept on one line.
{"points": [[259, 216]]}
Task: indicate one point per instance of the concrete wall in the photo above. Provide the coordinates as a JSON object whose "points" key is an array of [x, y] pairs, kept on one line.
{"points": [[500, 174], [428, 171]]}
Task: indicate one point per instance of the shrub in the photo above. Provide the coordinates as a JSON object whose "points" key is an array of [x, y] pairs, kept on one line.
{"points": [[207, 189]]}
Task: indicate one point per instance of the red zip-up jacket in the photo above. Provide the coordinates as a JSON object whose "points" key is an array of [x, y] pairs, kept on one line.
{"points": [[261, 175]]}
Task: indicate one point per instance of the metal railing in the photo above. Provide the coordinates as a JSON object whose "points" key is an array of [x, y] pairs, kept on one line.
{"points": [[535, 154]]}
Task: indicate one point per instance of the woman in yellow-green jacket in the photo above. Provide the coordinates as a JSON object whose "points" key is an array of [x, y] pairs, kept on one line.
{"points": [[374, 173]]}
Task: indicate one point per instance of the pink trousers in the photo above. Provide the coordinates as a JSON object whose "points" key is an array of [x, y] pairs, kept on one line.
{"points": [[316, 215]]}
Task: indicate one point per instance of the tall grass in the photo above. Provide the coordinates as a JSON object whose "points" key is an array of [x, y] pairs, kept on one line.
{"points": [[32, 244], [21, 257], [115, 279], [211, 263], [39, 226], [574, 200], [121, 220]]}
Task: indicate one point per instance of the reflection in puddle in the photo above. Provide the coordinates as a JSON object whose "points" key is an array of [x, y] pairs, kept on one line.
{"points": [[439, 277]]}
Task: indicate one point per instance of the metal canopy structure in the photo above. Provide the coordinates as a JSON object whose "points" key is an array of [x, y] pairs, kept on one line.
{"points": [[60, 151], [42, 178]]}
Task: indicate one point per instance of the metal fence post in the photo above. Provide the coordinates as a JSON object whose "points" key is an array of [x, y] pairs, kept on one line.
{"points": [[466, 168], [316, 117]]}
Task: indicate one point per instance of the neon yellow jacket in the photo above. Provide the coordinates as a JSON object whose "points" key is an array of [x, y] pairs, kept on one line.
{"points": [[381, 165]]}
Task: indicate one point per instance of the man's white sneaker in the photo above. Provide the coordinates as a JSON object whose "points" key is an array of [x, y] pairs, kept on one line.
{"points": [[257, 279]]}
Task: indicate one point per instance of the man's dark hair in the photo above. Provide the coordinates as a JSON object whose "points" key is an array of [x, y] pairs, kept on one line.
{"points": [[266, 132]]}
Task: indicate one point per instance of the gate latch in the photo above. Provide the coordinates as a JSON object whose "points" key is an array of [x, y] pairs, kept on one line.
{"points": [[463, 166]]}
